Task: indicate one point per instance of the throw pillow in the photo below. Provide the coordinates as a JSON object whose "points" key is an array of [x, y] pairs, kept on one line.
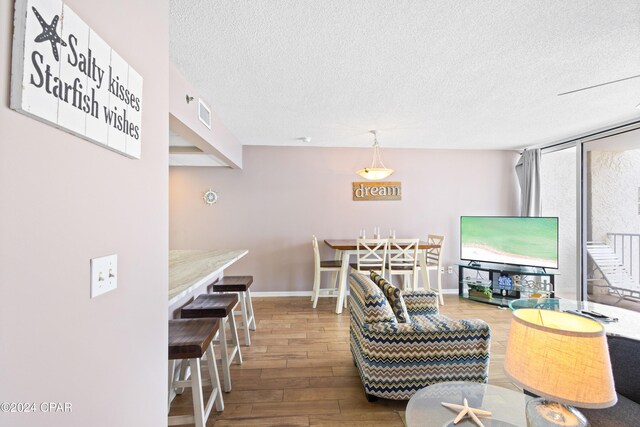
{"points": [[372, 305], [394, 296]]}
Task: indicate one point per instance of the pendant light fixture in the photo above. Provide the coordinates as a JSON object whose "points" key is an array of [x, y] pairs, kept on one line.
{"points": [[377, 169]]}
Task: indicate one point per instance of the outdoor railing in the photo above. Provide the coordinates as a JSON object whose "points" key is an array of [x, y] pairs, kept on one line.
{"points": [[627, 247]]}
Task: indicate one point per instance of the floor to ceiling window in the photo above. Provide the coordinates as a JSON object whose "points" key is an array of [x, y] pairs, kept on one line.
{"points": [[558, 181]]}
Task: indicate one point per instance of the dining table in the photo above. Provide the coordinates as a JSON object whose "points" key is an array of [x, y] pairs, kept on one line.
{"points": [[344, 248]]}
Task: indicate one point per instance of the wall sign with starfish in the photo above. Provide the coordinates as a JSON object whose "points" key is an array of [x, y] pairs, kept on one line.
{"points": [[65, 74]]}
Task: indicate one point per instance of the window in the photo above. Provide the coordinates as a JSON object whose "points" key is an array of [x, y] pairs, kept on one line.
{"points": [[558, 183]]}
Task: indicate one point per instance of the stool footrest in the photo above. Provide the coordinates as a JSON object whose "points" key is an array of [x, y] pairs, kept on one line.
{"points": [[187, 383]]}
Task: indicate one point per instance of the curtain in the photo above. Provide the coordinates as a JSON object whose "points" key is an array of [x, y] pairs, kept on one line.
{"points": [[528, 172]]}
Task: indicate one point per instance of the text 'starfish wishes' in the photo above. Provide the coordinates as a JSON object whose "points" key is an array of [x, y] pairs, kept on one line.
{"points": [[63, 73]]}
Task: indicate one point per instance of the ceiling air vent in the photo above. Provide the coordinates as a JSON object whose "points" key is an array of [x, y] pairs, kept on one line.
{"points": [[204, 113]]}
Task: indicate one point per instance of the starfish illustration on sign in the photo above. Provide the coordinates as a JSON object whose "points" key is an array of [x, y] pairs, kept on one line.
{"points": [[49, 33], [474, 413]]}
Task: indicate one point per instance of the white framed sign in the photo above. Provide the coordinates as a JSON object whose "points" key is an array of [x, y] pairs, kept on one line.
{"points": [[65, 75]]}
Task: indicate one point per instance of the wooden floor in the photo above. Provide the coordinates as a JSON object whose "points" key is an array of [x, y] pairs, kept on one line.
{"points": [[299, 371]]}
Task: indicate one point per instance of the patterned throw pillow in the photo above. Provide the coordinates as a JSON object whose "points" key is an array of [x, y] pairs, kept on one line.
{"points": [[394, 297], [371, 306]]}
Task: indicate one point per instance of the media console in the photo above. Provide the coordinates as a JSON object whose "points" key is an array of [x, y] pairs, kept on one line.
{"points": [[499, 284]]}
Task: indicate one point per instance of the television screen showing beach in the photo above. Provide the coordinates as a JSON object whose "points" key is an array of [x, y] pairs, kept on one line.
{"points": [[526, 241]]}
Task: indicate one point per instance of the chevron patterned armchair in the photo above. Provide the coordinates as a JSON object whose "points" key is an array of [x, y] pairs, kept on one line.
{"points": [[397, 359]]}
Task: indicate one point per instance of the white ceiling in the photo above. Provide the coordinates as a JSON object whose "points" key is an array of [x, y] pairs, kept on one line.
{"points": [[433, 74]]}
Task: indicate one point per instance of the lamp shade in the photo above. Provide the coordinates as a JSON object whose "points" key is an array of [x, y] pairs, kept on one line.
{"points": [[561, 357], [377, 170], [374, 173]]}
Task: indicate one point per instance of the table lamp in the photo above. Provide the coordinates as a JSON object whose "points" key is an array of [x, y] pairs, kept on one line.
{"points": [[563, 358]]}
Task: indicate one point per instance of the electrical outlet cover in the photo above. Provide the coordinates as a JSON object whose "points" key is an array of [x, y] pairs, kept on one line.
{"points": [[104, 274]]}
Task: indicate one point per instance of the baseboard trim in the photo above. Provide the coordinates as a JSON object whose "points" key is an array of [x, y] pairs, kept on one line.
{"points": [[282, 294], [268, 294]]}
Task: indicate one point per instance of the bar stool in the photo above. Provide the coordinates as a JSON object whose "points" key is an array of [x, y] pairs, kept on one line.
{"points": [[219, 306], [240, 285], [190, 339]]}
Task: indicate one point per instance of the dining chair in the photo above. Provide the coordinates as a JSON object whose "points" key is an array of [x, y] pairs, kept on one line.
{"points": [[402, 260], [321, 267], [371, 254], [433, 259]]}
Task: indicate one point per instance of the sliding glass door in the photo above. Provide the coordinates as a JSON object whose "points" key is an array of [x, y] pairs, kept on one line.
{"points": [[611, 175]]}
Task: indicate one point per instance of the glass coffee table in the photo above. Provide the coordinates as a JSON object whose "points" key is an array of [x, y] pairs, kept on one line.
{"points": [[626, 324], [507, 406]]}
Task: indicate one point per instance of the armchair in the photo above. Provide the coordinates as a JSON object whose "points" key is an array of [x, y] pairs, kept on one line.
{"points": [[397, 359]]}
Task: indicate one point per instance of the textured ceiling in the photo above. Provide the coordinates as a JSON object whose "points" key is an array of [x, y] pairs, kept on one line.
{"points": [[434, 74]]}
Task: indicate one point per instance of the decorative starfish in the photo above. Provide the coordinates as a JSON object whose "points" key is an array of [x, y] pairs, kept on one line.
{"points": [[49, 33], [466, 410]]}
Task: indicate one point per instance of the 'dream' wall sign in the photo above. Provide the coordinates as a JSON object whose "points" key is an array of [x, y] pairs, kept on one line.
{"points": [[377, 191], [64, 74]]}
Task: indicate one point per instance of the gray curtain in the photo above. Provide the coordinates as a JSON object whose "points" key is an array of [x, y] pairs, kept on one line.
{"points": [[528, 171]]}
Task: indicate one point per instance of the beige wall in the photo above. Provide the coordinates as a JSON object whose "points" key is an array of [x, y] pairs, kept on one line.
{"points": [[64, 201], [284, 195]]}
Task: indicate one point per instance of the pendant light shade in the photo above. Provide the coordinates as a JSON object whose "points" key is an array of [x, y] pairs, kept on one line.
{"points": [[377, 169]]}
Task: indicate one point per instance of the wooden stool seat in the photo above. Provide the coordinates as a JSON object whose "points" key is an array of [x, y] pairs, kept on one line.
{"points": [[210, 305], [233, 284], [400, 267], [240, 285], [190, 338], [364, 267], [331, 264]]}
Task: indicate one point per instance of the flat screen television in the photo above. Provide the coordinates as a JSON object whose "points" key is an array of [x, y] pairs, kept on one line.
{"points": [[526, 241]]}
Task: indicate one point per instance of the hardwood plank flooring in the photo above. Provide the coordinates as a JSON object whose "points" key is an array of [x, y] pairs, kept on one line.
{"points": [[299, 371]]}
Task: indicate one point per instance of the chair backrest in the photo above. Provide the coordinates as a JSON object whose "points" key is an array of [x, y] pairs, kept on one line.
{"points": [[372, 254], [433, 254], [403, 254], [316, 253], [610, 265]]}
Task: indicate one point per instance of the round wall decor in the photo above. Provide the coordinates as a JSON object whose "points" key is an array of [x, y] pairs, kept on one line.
{"points": [[210, 197]]}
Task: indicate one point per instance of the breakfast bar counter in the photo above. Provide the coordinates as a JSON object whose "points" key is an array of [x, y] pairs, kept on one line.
{"points": [[190, 271]]}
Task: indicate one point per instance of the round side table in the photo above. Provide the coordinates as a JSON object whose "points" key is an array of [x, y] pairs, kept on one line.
{"points": [[507, 406]]}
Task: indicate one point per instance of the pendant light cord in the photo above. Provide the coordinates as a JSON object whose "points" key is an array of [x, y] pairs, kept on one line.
{"points": [[376, 152]]}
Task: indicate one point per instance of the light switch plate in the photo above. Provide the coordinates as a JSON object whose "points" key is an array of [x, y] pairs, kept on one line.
{"points": [[104, 274]]}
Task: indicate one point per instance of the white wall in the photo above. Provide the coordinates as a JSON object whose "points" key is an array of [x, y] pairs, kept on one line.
{"points": [[283, 195], [615, 192], [63, 201]]}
